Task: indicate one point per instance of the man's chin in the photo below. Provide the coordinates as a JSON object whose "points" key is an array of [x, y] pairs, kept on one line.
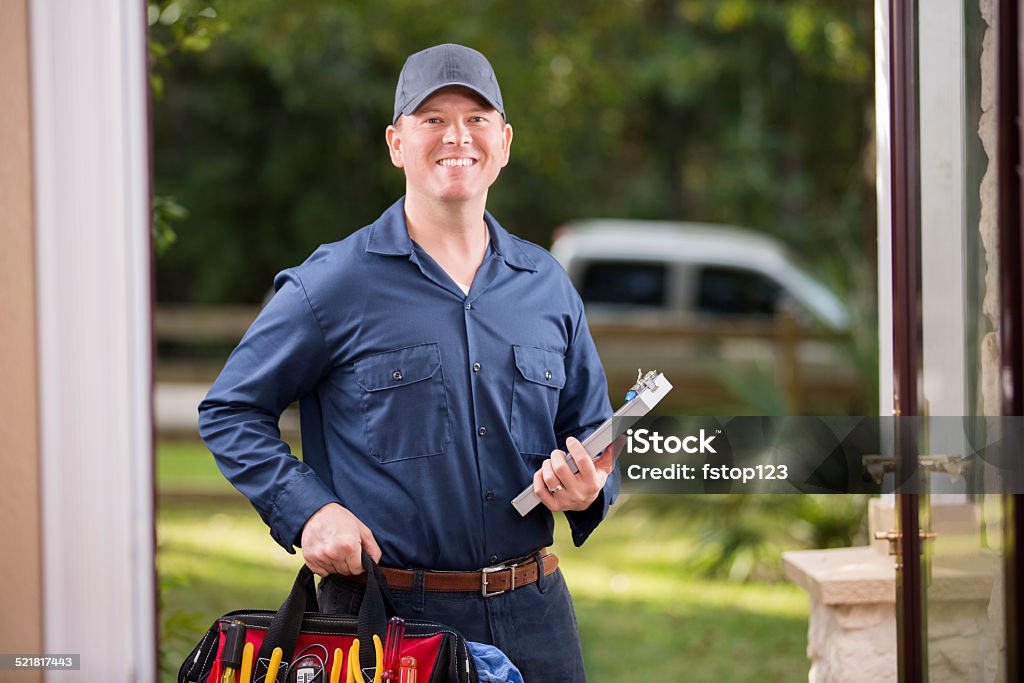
{"points": [[459, 194]]}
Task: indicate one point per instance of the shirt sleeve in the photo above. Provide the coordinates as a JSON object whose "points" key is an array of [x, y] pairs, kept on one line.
{"points": [[280, 359], [582, 408]]}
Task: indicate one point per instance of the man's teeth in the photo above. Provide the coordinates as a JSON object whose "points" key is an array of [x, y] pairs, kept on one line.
{"points": [[456, 162]]}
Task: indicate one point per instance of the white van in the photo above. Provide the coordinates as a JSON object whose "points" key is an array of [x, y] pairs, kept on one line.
{"points": [[706, 304], [688, 272]]}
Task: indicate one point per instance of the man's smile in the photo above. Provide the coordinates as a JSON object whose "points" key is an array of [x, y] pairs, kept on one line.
{"points": [[463, 161]]}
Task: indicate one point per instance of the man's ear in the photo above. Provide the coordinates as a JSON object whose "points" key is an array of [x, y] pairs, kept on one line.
{"points": [[394, 139], [506, 144]]}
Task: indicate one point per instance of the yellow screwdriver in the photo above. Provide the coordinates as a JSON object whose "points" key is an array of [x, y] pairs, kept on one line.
{"points": [[247, 653], [231, 655]]}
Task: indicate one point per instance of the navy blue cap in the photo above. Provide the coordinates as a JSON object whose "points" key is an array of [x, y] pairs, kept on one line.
{"points": [[442, 66]]}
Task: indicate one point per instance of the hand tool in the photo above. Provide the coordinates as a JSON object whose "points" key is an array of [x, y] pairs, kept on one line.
{"points": [[353, 664], [275, 664], [339, 656], [247, 654], [378, 659], [407, 673], [393, 648], [231, 655]]}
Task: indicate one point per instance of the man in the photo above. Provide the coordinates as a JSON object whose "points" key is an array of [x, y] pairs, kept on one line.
{"points": [[440, 363]]}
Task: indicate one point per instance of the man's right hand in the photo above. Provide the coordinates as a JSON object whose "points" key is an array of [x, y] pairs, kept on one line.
{"points": [[332, 541]]}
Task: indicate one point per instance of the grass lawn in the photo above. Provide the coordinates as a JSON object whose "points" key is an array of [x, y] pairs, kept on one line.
{"points": [[641, 616]]}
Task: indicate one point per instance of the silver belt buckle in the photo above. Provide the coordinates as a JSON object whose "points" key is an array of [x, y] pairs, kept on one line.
{"points": [[497, 568]]}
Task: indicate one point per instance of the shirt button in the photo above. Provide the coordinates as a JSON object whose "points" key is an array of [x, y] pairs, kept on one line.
{"points": [[482, 431], [547, 375], [476, 367], [397, 375], [494, 558], [489, 495], [468, 305]]}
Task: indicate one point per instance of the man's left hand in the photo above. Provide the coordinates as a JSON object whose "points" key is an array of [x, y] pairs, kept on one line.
{"points": [[559, 489]]}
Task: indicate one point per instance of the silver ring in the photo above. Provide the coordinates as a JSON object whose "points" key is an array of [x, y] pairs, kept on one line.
{"points": [[555, 490]]}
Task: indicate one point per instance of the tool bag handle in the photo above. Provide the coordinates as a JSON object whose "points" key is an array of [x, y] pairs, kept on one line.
{"points": [[374, 612]]}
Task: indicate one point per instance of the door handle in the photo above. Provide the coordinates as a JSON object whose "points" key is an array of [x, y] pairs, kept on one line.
{"points": [[953, 465], [893, 537]]}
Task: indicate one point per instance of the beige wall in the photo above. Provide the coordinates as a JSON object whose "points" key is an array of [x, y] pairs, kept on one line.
{"points": [[20, 563]]}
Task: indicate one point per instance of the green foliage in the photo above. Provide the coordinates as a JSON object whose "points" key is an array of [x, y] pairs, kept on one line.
{"points": [[757, 389], [189, 26], [178, 626], [166, 210], [731, 111], [741, 536]]}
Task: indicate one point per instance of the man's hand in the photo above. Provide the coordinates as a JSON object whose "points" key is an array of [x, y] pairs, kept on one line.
{"points": [[332, 541], [559, 489]]}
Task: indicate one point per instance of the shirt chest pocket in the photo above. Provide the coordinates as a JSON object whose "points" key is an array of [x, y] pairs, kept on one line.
{"points": [[404, 403], [537, 385]]}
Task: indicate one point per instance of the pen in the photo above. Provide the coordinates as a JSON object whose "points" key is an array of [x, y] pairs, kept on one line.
{"points": [[275, 663], [247, 653], [631, 394]]}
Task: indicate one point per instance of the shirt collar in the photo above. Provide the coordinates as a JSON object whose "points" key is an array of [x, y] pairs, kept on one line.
{"points": [[389, 236]]}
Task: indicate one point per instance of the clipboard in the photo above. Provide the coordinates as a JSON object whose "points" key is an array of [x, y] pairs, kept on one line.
{"points": [[640, 399]]}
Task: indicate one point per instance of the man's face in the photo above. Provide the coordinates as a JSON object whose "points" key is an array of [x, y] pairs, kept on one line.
{"points": [[451, 148]]}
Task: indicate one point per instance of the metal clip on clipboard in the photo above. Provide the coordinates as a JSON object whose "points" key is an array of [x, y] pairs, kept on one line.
{"points": [[640, 399]]}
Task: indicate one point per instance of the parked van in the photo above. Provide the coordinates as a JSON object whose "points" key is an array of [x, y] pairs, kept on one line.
{"points": [[717, 308], [689, 272]]}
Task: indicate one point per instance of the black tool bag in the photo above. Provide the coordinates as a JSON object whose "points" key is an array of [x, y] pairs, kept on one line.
{"points": [[440, 652]]}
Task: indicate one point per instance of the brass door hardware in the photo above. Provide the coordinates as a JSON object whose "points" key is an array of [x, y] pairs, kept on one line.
{"points": [[894, 537]]}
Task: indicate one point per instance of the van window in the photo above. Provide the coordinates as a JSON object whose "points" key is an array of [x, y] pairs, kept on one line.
{"points": [[735, 291], [624, 282]]}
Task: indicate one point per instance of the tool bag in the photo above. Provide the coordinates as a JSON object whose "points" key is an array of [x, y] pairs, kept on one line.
{"points": [[440, 651]]}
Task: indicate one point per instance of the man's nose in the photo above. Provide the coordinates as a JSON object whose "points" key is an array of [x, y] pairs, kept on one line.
{"points": [[456, 133]]}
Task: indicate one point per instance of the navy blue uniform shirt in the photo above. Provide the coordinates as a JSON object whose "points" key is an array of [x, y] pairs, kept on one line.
{"points": [[424, 410]]}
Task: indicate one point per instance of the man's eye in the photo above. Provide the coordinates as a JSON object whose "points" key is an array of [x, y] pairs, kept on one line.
{"points": [[434, 120], [477, 119]]}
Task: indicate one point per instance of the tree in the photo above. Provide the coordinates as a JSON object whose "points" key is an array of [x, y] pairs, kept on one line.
{"points": [[730, 111]]}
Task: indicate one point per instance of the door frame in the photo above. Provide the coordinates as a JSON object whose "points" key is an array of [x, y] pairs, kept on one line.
{"points": [[906, 310], [1011, 285]]}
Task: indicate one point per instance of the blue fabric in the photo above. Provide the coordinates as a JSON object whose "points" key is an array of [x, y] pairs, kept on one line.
{"points": [[492, 666], [534, 625], [399, 424]]}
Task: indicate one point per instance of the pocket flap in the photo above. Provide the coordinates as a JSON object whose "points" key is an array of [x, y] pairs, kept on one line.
{"points": [[398, 368], [541, 366]]}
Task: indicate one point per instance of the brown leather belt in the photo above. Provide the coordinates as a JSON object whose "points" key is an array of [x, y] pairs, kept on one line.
{"points": [[487, 581]]}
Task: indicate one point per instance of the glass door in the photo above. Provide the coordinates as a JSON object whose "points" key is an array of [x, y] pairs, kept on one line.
{"points": [[957, 313]]}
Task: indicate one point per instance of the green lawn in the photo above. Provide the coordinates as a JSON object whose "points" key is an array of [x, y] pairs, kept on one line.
{"points": [[642, 617]]}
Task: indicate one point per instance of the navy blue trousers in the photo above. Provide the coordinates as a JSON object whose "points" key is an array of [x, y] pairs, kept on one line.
{"points": [[535, 625]]}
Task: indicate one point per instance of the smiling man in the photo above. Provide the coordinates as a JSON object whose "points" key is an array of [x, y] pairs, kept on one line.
{"points": [[441, 365]]}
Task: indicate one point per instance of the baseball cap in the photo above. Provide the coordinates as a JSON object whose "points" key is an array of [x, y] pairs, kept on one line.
{"points": [[441, 66]]}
